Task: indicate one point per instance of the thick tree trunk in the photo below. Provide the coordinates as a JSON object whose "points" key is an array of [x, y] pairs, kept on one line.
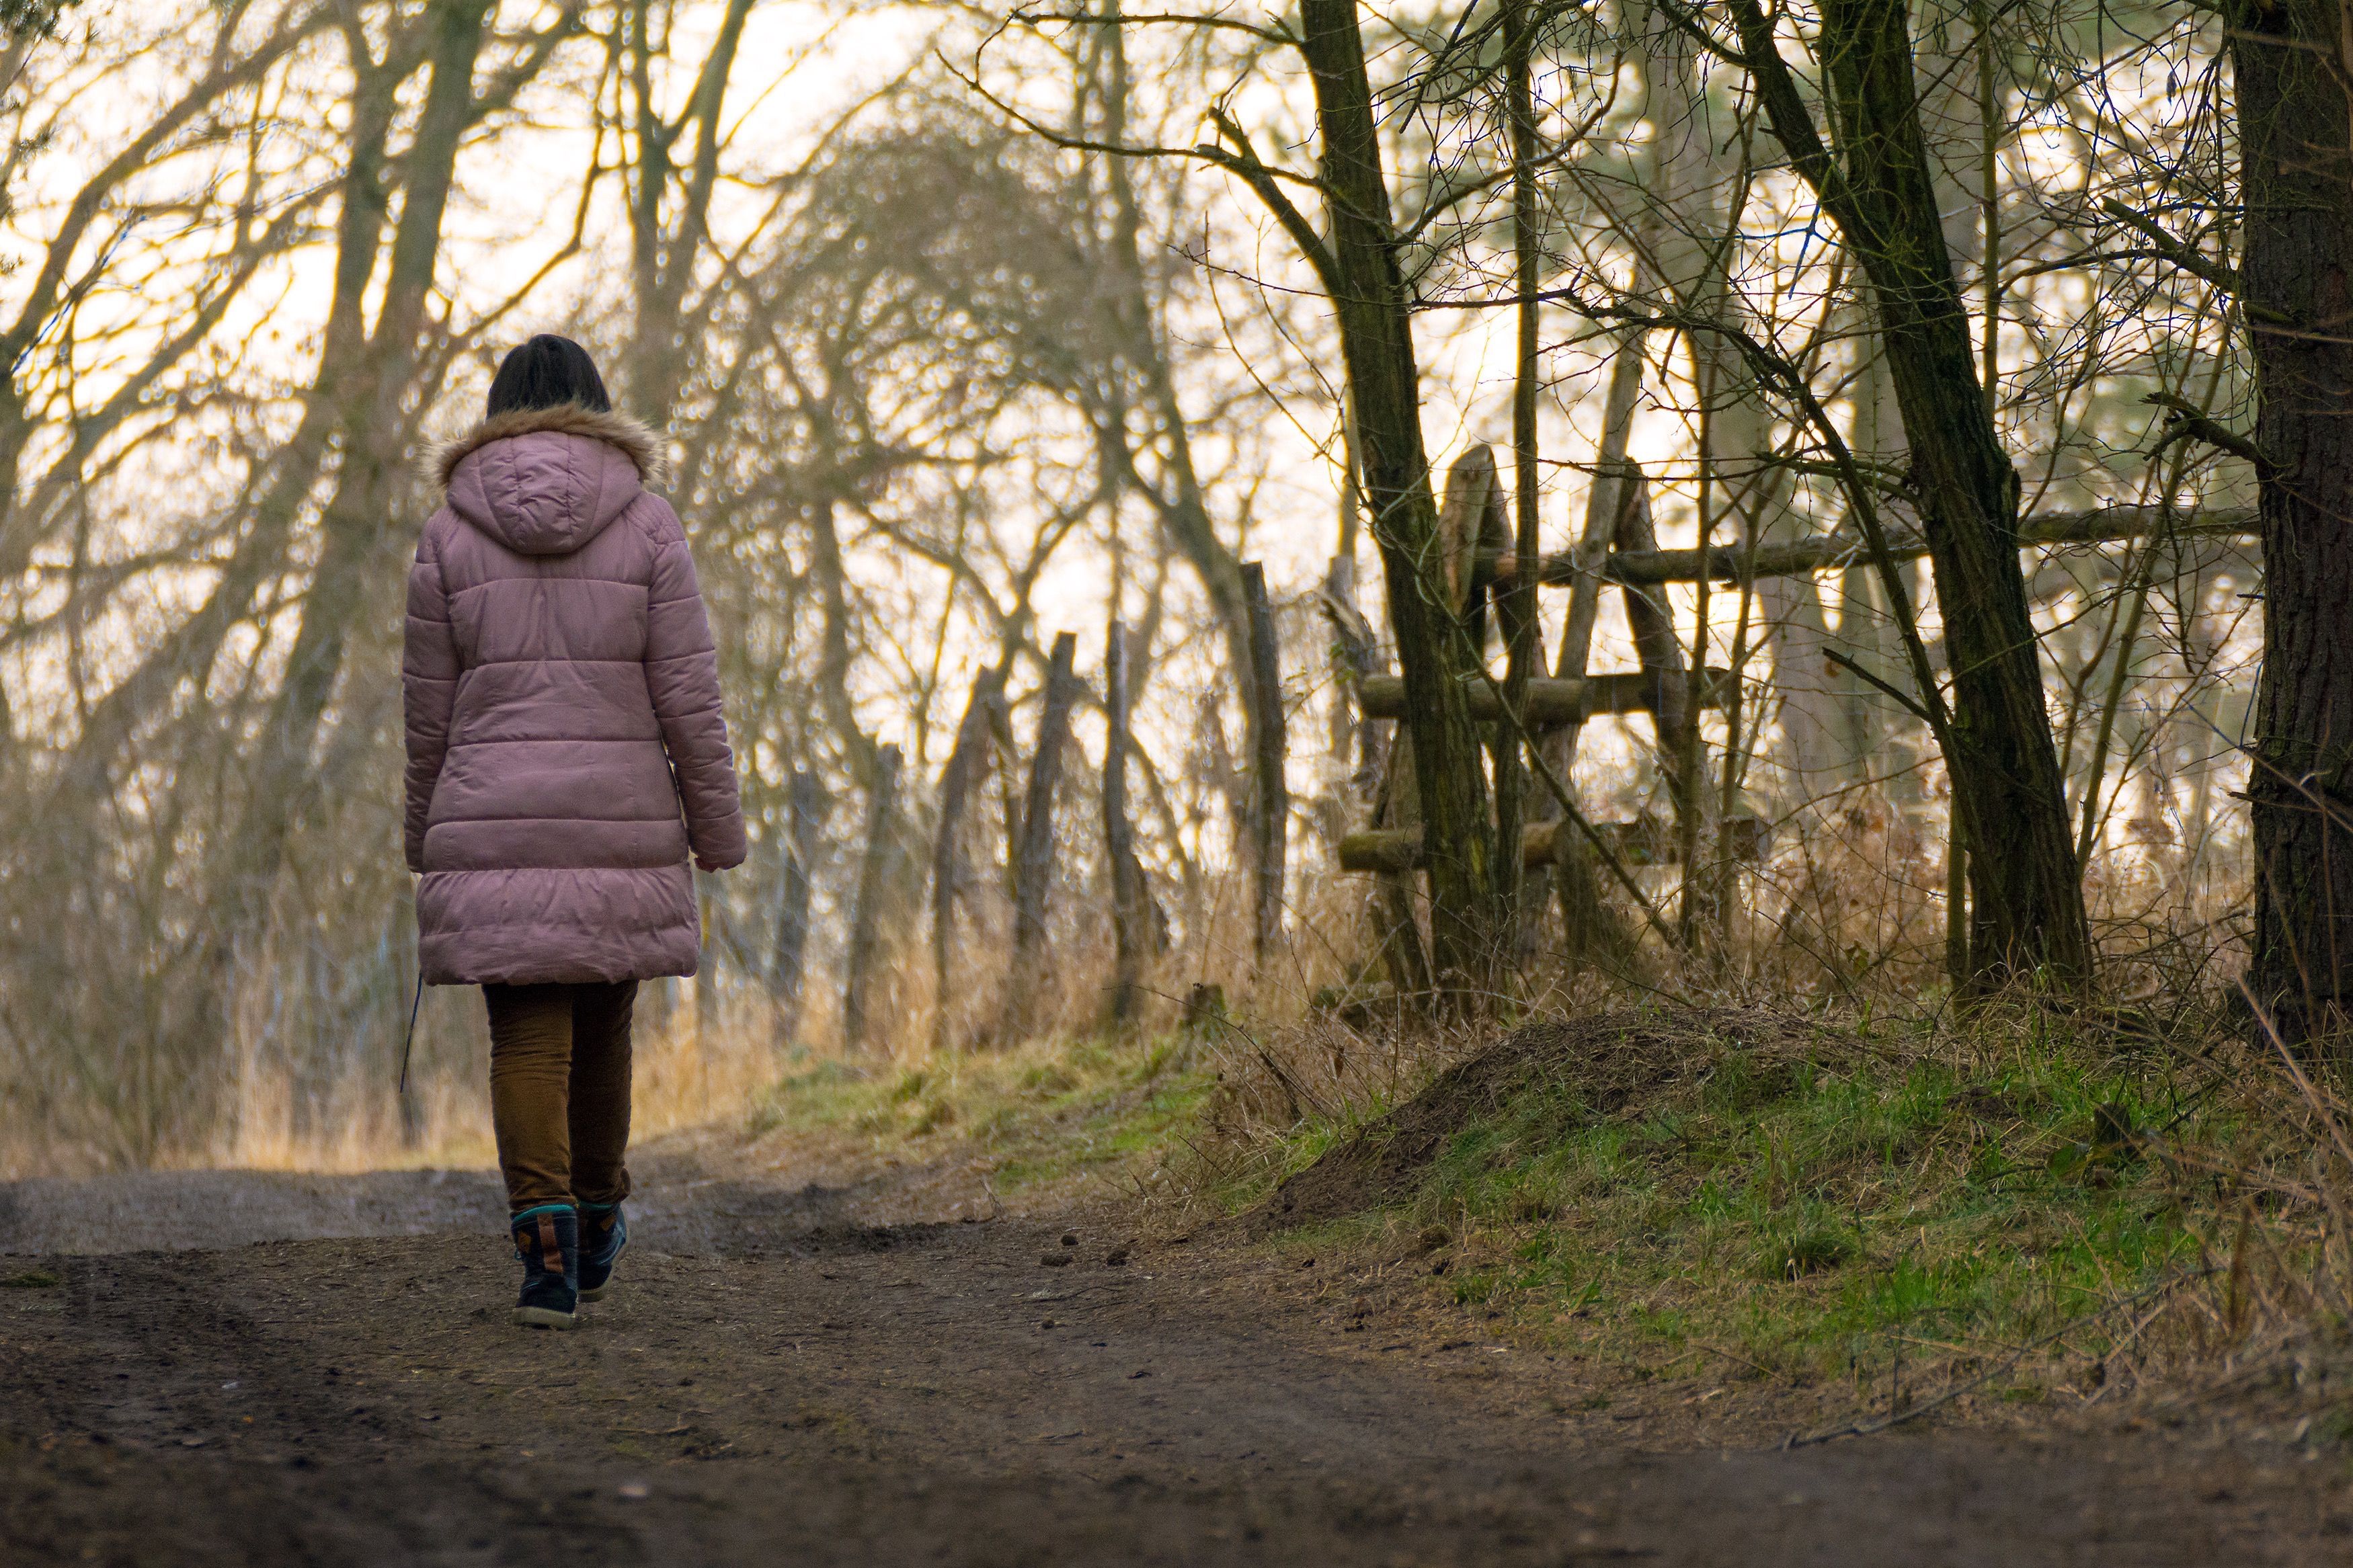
{"points": [[804, 819], [2293, 136], [2026, 915], [1370, 299], [1034, 858], [873, 890], [1270, 788]]}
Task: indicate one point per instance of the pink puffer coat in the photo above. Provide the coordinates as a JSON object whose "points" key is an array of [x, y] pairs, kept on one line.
{"points": [[565, 747]]}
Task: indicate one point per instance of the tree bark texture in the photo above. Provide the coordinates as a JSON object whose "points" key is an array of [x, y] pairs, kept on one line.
{"points": [[1270, 786], [960, 781], [2299, 275], [1515, 605], [873, 890], [1034, 861], [1131, 914], [2026, 892], [1371, 302], [804, 819]]}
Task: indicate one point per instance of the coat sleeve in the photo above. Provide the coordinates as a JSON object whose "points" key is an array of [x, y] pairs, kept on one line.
{"points": [[429, 681], [682, 675]]}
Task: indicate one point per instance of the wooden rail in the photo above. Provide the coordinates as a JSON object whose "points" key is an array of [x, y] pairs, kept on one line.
{"points": [[1647, 842], [2103, 525], [1550, 701]]}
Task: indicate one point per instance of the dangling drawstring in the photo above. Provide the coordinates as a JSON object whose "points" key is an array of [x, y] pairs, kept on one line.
{"points": [[410, 1038]]}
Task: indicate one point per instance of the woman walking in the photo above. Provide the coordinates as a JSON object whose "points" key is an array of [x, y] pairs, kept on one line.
{"points": [[566, 755]]}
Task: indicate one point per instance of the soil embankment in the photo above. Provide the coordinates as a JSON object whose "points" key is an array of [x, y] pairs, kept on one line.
{"points": [[781, 1380]]}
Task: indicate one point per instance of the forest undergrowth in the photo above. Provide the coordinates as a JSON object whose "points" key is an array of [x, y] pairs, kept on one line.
{"points": [[2009, 1211]]}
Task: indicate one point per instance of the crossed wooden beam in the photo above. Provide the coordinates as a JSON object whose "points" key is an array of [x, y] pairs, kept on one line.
{"points": [[1551, 702]]}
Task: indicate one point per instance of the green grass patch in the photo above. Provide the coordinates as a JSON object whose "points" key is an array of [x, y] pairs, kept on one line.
{"points": [[1806, 1215], [1041, 1112]]}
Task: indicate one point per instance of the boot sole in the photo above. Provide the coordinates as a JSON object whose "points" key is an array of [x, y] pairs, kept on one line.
{"points": [[598, 1294], [543, 1317]]}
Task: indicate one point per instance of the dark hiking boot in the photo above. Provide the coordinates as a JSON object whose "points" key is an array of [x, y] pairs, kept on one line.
{"points": [[547, 1239], [603, 1234]]}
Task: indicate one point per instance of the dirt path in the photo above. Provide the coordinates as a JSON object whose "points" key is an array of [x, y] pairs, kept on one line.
{"points": [[779, 1382]]}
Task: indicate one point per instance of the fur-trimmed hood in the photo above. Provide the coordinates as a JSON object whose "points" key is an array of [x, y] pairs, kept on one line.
{"points": [[545, 482], [641, 445]]}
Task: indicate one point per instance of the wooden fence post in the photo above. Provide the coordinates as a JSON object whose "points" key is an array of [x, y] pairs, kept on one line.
{"points": [[1270, 790], [804, 815], [1667, 692], [1589, 927], [873, 886], [1130, 907], [1034, 861]]}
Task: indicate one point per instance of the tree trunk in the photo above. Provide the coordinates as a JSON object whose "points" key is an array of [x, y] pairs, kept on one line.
{"points": [[1034, 858], [1130, 913], [965, 774], [804, 818], [1174, 492], [1371, 301], [667, 233], [873, 889], [1270, 788], [1516, 607], [2025, 896], [2293, 136]]}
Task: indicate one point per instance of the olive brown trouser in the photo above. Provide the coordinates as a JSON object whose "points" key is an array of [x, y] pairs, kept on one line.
{"points": [[560, 1090]]}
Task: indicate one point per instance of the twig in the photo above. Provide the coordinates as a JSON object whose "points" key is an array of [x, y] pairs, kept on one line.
{"points": [[1903, 698], [1867, 1428]]}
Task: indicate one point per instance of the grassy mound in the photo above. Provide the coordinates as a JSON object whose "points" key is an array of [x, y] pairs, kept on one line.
{"points": [[1563, 1072], [1788, 1198]]}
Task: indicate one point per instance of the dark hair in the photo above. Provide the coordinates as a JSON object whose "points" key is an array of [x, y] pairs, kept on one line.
{"points": [[546, 373]]}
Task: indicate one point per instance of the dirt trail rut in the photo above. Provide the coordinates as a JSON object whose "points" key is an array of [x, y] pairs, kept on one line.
{"points": [[778, 1382]]}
